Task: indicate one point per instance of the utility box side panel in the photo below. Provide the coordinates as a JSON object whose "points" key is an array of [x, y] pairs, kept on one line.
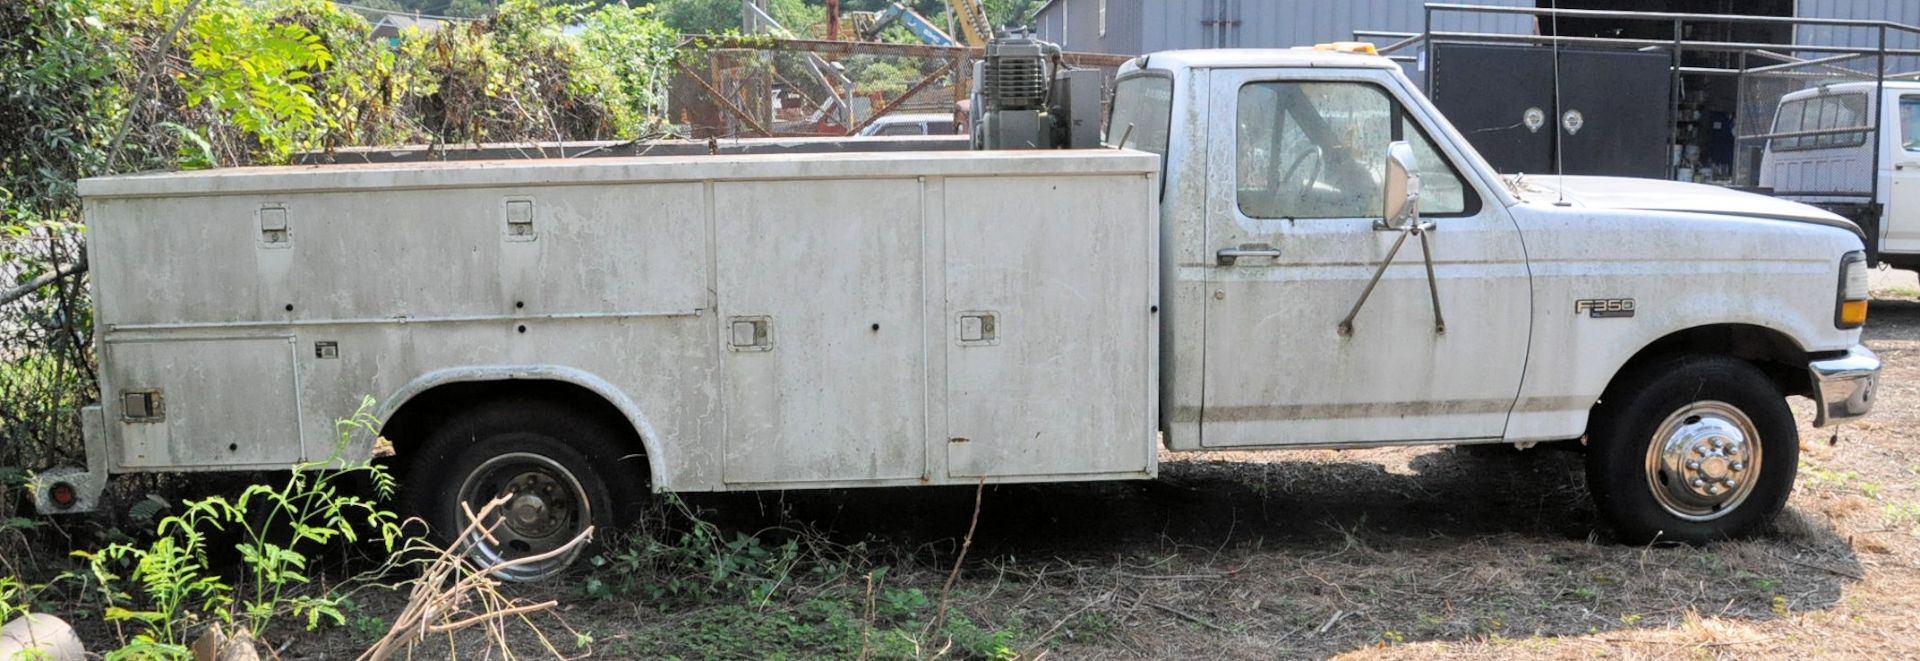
{"points": [[1052, 310], [821, 330], [364, 292]]}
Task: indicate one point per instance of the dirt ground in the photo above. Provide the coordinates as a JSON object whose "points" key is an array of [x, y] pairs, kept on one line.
{"points": [[1397, 553]]}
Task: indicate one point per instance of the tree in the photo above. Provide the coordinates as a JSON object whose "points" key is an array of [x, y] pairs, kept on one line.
{"points": [[1004, 13], [699, 16]]}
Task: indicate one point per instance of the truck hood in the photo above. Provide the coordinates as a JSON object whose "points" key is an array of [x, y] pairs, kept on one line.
{"points": [[1627, 193]]}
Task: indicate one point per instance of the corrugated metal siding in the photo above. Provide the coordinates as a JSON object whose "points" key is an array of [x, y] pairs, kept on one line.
{"points": [[1171, 24], [1175, 24], [1904, 12]]}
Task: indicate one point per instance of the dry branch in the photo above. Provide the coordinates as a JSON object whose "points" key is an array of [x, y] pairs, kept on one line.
{"points": [[452, 595], [946, 591], [45, 279]]}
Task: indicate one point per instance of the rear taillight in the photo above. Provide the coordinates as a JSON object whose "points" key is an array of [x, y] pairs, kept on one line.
{"points": [[62, 495]]}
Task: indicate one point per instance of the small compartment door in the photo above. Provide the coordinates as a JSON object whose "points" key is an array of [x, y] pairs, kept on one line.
{"points": [[201, 403]]}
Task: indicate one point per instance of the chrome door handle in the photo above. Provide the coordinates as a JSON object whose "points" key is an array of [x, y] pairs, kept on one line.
{"points": [[1227, 256]]}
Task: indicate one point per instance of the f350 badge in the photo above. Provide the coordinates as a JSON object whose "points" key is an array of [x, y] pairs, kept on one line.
{"points": [[1604, 308]]}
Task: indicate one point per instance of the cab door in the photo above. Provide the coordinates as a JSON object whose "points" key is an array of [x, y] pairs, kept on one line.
{"points": [[1295, 188], [1900, 229]]}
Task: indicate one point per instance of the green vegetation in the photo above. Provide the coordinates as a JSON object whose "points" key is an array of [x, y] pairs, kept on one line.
{"points": [[781, 592], [168, 585], [709, 16]]}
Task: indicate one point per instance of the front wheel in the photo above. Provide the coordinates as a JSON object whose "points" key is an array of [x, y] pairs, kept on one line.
{"points": [[1692, 449]]}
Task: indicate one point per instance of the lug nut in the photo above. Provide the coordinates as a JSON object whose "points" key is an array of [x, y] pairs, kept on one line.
{"points": [[1738, 466], [1699, 482], [1693, 464]]}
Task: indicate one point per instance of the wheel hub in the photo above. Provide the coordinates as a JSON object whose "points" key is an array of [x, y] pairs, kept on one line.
{"points": [[546, 507], [538, 509], [1702, 460]]}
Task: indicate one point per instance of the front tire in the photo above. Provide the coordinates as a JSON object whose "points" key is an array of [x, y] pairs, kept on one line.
{"points": [[565, 470], [1692, 449]]}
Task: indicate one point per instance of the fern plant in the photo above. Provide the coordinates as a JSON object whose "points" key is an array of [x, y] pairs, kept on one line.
{"points": [[277, 529]]}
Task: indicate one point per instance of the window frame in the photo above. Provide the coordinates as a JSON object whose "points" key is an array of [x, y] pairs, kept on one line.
{"points": [[1471, 203]]}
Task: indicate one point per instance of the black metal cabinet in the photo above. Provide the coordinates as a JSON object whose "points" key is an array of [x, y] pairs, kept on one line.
{"points": [[1612, 117]]}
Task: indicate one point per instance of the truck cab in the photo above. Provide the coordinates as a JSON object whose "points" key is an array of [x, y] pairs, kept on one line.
{"points": [[1296, 314], [1831, 155]]}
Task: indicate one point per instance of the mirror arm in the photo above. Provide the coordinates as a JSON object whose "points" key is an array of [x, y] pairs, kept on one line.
{"points": [[1433, 283], [1346, 325]]}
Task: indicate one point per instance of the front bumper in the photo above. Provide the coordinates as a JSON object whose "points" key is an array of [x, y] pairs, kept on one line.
{"points": [[1843, 386]]}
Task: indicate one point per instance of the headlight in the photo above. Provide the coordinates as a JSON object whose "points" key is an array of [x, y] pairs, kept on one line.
{"points": [[1852, 306]]}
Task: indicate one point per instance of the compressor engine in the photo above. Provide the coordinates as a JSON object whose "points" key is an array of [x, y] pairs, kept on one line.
{"points": [[1023, 98]]}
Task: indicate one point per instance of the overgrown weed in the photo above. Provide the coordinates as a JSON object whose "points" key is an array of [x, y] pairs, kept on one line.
{"points": [[159, 593], [779, 591]]}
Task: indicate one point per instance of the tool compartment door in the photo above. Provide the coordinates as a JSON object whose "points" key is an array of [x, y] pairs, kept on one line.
{"points": [[1050, 288], [225, 403], [821, 330]]}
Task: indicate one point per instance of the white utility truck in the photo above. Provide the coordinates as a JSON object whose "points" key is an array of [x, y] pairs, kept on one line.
{"points": [[1853, 148], [1286, 249]]}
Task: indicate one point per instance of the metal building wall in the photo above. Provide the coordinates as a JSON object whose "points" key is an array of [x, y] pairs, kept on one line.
{"points": [[1171, 24], [1075, 25], [1899, 11], [1175, 24]]}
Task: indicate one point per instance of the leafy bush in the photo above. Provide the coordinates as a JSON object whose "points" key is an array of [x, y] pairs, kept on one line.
{"points": [[517, 76]]}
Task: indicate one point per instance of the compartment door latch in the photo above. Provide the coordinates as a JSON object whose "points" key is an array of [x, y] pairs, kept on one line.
{"points": [[750, 333]]}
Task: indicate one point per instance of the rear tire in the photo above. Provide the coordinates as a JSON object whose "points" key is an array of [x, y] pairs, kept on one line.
{"points": [[1692, 449], [565, 469]]}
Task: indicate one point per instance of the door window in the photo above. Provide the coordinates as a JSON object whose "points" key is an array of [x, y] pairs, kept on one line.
{"points": [[1319, 149], [1910, 123]]}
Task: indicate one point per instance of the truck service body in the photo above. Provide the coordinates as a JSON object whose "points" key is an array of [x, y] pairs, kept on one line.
{"points": [[1290, 249]]}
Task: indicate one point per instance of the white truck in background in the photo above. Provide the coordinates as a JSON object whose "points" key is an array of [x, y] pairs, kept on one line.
{"points": [[1853, 148], [1241, 274]]}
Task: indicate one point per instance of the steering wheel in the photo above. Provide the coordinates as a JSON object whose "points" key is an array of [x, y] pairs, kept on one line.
{"points": [[1300, 159]]}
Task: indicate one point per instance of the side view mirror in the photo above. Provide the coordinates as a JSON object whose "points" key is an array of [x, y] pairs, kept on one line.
{"points": [[1402, 189]]}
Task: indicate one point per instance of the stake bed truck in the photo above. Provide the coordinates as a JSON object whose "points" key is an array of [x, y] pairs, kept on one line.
{"points": [[1287, 249]]}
